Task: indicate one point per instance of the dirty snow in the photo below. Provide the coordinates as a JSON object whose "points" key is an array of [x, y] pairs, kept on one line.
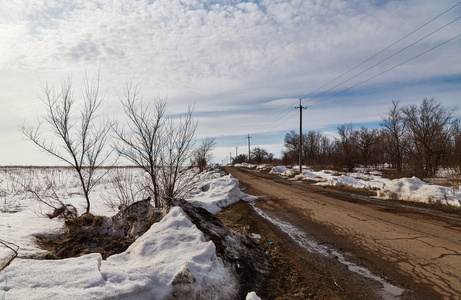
{"points": [[414, 189], [408, 189], [172, 254], [216, 191], [171, 257]]}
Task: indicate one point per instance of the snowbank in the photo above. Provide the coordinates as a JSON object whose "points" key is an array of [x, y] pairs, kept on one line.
{"points": [[345, 180], [306, 175], [414, 189], [171, 257], [245, 165], [278, 170], [216, 191], [288, 173]]}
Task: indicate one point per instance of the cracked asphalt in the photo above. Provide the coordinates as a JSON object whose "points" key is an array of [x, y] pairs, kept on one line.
{"points": [[416, 249]]}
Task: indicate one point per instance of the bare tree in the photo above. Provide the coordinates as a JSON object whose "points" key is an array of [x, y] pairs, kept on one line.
{"points": [[126, 188], [177, 152], [80, 146], [347, 149], [155, 143], [201, 156], [291, 154], [141, 141], [260, 155], [366, 143], [239, 159], [429, 128], [394, 130]]}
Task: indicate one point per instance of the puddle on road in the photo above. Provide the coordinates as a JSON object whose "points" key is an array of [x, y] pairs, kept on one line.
{"points": [[387, 292]]}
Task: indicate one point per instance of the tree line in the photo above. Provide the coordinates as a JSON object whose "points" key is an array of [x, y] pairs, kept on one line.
{"points": [[412, 140]]}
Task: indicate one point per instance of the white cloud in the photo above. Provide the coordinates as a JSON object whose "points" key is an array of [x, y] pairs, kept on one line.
{"points": [[228, 56]]}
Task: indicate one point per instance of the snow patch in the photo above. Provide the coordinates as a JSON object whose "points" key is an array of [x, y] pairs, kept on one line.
{"points": [[288, 173], [216, 191], [278, 170], [414, 189], [171, 257], [252, 296]]}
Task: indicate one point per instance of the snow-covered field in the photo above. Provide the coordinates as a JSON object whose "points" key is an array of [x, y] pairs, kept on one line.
{"points": [[171, 258]]}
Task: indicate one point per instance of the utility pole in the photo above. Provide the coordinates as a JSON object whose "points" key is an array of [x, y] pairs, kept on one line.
{"points": [[236, 149], [300, 135], [249, 137]]}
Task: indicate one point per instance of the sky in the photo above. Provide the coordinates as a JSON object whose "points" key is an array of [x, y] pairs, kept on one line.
{"points": [[242, 65]]}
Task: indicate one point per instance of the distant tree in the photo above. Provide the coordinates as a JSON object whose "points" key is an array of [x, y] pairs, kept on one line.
{"points": [[239, 159], [367, 140], [455, 156], [394, 130], [291, 152], [327, 148], [347, 148], [201, 156], [430, 129], [81, 145], [317, 148], [260, 155]]}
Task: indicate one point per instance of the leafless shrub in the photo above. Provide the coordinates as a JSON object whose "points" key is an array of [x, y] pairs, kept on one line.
{"points": [[45, 192], [429, 129], [81, 146], [201, 156], [127, 188], [159, 145]]}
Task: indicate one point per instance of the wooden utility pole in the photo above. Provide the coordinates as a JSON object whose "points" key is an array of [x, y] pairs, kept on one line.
{"points": [[249, 137], [300, 135]]}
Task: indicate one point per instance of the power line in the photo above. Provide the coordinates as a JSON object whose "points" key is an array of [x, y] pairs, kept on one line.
{"points": [[385, 59], [277, 118], [373, 56], [385, 71]]}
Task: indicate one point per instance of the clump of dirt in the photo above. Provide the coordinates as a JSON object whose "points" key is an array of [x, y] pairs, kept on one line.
{"points": [[99, 234]]}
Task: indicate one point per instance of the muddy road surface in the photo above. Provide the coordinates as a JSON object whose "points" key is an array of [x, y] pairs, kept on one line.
{"points": [[325, 243]]}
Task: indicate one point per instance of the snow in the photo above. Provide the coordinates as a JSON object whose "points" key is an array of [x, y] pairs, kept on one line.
{"points": [[278, 170], [216, 191], [252, 296], [408, 189], [345, 180], [245, 165], [171, 257], [414, 189]]}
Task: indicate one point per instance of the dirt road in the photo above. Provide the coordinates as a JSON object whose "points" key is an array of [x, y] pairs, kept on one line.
{"points": [[413, 249]]}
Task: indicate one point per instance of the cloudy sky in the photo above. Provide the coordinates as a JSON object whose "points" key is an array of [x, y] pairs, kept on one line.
{"points": [[244, 64]]}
